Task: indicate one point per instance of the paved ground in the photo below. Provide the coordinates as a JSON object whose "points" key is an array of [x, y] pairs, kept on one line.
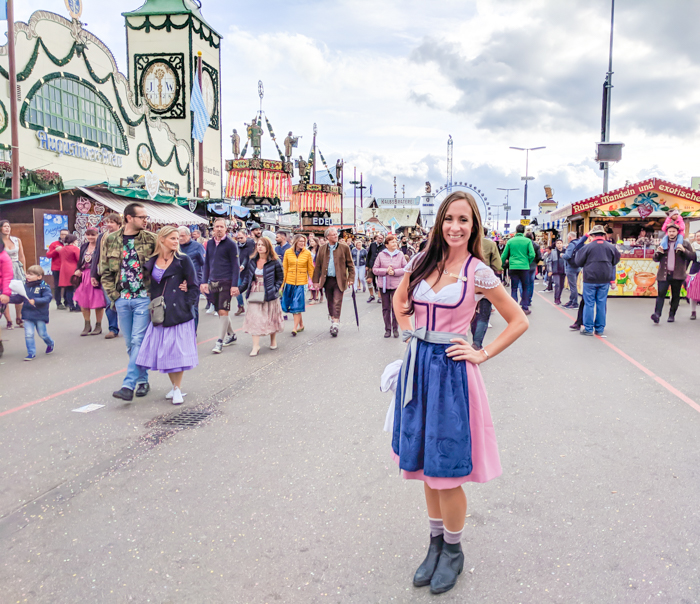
{"points": [[288, 494]]}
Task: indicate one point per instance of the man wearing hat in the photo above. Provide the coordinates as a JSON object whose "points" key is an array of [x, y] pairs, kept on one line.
{"points": [[598, 260]]}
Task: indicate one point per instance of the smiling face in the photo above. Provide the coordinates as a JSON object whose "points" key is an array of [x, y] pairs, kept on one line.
{"points": [[301, 243], [91, 239], [458, 225]]}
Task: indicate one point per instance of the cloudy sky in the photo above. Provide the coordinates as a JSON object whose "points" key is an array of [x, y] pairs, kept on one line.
{"points": [[387, 81]]}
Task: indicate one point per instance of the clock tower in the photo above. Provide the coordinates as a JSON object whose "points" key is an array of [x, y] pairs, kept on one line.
{"points": [[163, 38]]}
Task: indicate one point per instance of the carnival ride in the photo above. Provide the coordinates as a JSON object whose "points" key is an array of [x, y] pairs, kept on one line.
{"points": [[258, 183], [313, 201]]}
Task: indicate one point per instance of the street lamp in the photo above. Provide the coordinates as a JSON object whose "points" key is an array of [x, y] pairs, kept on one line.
{"points": [[506, 206], [527, 150]]}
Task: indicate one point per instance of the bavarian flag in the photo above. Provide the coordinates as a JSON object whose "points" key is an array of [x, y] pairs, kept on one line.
{"points": [[3, 10], [201, 118]]}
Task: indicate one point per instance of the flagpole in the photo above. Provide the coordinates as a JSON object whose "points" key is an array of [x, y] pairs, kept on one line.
{"points": [[201, 145], [14, 121]]}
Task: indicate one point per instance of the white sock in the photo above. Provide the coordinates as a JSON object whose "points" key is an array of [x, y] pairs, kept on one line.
{"points": [[225, 327]]}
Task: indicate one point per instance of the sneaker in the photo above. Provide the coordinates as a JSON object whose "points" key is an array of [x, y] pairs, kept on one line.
{"points": [[586, 333], [575, 326], [169, 396], [61, 307], [334, 329], [230, 339], [379, 300], [218, 347], [557, 302], [527, 311], [126, 394], [211, 310], [600, 334], [30, 357], [655, 318], [387, 333], [671, 318], [573, 306], [50, 347], [370, 299], [567, 305], [177, 397]]}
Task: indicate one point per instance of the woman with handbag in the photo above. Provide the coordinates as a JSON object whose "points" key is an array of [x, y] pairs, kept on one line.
{"points": [[298, 265], [14, 249], [264, 276], [87, 295], [69, 255], [170, 343]]}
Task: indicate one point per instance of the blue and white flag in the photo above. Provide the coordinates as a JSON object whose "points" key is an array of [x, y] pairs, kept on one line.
{"points": [[201, 117], [3, 10]]}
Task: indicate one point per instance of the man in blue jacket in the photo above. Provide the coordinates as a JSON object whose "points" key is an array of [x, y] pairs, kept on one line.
{"points": [[220, 279], [195, 251], [598, 260], [572, 269]]}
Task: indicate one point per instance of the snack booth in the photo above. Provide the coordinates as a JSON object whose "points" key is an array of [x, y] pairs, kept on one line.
{"points": [[635, 213]]}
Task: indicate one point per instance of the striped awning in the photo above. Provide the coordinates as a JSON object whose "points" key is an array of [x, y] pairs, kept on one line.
{"points": [[548, 225], [161, 213]]}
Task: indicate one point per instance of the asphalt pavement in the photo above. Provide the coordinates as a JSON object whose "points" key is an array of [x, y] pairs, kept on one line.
{"points": [[286, 491]]}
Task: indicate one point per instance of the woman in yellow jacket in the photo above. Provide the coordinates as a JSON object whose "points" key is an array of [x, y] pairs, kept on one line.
{"points": [[298, 267]]}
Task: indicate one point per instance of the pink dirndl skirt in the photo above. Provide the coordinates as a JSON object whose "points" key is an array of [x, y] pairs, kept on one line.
{"points": [[88, 296]]}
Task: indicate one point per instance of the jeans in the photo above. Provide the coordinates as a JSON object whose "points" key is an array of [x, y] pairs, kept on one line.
{"points": [[29, 328], [517, 277], [239, 299], [112, 317], [675, 285], [56, 289], [596, 297], [134, 319], [195, 313], [558, 280], [480, 322], [530, 290], [388, 311], [68, 294], [572, 277]]}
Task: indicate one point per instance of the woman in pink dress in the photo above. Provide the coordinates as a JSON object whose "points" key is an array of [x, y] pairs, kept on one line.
{"points": [[443, 433], [89, 293]]}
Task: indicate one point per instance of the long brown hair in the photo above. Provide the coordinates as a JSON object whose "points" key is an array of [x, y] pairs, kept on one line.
{"points": [[271, 255], [435, 254]]}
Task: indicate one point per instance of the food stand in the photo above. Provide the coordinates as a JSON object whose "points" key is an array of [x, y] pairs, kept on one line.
{"points": [[628, 211]]}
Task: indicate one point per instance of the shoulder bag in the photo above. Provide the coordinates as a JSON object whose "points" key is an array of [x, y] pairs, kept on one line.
{"points": [[156, 307]]}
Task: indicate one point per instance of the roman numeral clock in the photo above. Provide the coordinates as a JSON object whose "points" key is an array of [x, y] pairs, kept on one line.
{"points": [[159, 81]]}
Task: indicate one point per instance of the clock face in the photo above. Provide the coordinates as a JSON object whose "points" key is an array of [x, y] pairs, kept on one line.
{"points": [[208, 92], [159, 86]]}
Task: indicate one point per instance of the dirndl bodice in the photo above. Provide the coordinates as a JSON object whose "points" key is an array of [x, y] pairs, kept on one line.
{"points": [[442, 424]]}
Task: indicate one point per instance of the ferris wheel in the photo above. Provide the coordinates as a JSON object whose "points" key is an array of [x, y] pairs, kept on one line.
{"points": [[447, 188]]}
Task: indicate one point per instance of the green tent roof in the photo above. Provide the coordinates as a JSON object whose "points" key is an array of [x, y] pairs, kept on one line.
{"points": [[169, 7], [143, 194]]}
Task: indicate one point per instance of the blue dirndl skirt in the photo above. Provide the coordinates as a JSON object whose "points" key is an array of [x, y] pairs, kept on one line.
{"points": [[293, 299], [432, 432]]}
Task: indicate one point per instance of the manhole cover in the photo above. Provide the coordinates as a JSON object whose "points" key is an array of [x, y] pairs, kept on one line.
{"points": [[186, 419]]}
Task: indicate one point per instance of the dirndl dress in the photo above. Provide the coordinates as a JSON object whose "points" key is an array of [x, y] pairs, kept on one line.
{"points": [[266, 318], [293, 299], [444, 436], [86, 295], [168, 349]]}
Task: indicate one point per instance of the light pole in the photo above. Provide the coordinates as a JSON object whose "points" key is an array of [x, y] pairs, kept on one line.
{"points": [[527, 177], [607, 93], [506, 206]]}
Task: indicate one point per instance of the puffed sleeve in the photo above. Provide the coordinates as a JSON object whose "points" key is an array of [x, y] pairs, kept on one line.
{"points": [[412, 262], [485, 278]]}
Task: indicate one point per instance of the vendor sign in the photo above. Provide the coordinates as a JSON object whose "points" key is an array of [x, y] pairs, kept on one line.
{"points": [[642, 200]]}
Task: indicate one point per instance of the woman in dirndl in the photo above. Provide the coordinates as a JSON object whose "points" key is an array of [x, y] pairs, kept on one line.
{"points": [[172, 346], [298, 266], [89, 294], [442, 431]]}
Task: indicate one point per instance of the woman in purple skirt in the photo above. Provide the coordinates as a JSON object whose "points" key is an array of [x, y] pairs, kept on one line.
{"points": [[171, 347]]}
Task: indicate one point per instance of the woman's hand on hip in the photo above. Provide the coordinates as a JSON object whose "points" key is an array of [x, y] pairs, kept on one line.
{"points": [[463, 351]]}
